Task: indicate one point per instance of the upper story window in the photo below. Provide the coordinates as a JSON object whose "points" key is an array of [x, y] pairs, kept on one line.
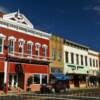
{"points": [[21, 46], [60, 55], [77, 59], [37, 49], [81, 59], [90, 62], [11, 44], [44, 50], [96, 63], [66, 56], [53, 53], [2, 37], [93, 62], [86, 63], [72, 58], [30, 45]]}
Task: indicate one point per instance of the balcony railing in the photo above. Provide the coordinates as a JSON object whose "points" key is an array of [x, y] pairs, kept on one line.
{"points": [[25, 57]]}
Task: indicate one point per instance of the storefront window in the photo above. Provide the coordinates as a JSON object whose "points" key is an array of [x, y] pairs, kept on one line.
{"points": [[36, 79], [44, 79]]}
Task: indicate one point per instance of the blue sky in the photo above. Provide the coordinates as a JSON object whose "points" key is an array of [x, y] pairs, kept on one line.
{"points": [[76, 20]]}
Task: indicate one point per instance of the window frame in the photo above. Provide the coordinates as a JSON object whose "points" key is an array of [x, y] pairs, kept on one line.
{"points": [[40, 78], [37, 48], [3, 37], [21, 43], [30, 52], [44, 47], [12, 39]]}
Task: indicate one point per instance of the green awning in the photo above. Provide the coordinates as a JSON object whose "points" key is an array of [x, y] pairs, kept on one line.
{"points": [[71, 65], [80, 67], [98, 72]]}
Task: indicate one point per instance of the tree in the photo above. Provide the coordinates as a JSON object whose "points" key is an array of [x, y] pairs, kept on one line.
{"points": [[29, 82]]}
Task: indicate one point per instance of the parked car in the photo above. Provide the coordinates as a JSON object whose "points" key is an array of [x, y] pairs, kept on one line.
{"points": [[55, 87]]}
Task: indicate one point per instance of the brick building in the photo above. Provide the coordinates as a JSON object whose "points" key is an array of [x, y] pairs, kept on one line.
{"points": [[24, 52]]}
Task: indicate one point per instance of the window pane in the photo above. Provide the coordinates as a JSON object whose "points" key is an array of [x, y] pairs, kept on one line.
{"points": [[44, 79], [81, 59], [86, 60], [44, 51], [60, 55], [11, 46], [77, 59], [30, 49], [37, 50], [72, 58], [53, 53], [1, 44], [66, 56], [36, 79]]}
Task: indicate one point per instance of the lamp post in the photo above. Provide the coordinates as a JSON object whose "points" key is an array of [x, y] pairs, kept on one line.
{"points": [[6, 70]]}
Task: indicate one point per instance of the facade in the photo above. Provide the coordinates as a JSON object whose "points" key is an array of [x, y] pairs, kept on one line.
{"points": [[77, 63], [56, 53], [24, 52]]}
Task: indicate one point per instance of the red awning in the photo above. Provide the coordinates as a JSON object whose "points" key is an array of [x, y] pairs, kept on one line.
{"points": [[26, 68], [30, 68], [1, 66], [11, 67]]}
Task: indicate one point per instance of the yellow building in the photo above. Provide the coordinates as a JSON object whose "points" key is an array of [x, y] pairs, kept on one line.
{"points": [[56, 52]]}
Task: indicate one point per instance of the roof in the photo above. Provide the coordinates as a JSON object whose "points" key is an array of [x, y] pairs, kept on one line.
{"points": [[76, 44]]}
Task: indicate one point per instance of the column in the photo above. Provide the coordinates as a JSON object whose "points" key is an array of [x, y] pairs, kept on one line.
{"points": [[12, 81], [40, 78], [16, 80], [5, 71]]}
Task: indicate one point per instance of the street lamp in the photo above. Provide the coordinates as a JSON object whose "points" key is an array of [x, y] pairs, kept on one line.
{"points": [[6, 70]]}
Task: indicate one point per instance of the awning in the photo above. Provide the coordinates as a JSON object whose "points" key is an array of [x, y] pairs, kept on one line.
{"points": [[98, 72], [61, 77]]}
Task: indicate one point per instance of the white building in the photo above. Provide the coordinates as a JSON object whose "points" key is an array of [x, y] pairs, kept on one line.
{"points": [[79, 62]]}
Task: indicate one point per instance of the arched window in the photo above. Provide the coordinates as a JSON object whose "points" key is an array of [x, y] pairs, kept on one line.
{"points": [[30, 45], [11, 44], [21, 46], [2, 38], [37, 49], [44, 50]]}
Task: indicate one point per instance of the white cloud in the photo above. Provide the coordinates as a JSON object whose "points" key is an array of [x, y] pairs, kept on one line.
{"points": [[3, 9]]}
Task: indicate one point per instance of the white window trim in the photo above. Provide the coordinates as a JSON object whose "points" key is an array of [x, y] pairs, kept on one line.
{"points": [[21, 40], [22, 46], [11, 38], [14, 40], [3, 38], [30, 42], [38, 44], [45, 46]]}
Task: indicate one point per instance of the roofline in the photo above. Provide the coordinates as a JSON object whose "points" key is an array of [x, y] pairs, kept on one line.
{"points": [[77, 44]]}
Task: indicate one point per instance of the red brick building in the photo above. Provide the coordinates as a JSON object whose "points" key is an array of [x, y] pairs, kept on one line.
{"points": [[24, 52]]}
